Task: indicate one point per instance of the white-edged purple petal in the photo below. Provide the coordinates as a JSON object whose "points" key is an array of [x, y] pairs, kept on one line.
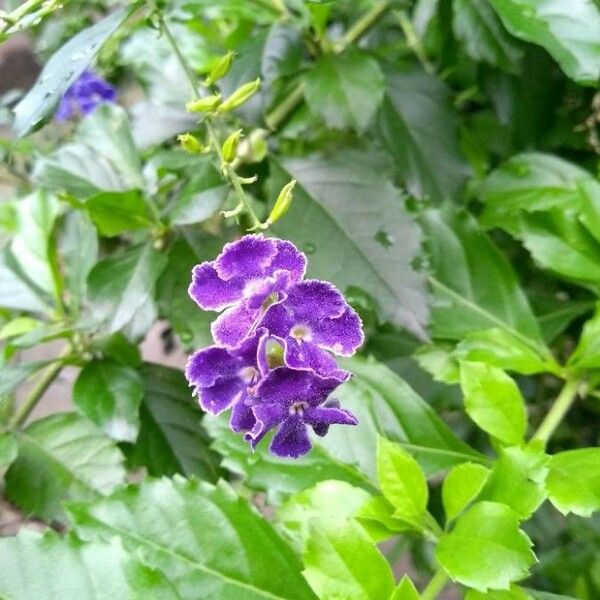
{"points": [[267, 416], [321, 417], [233, 325], [291, 441], [210, 292], [242, 417]]}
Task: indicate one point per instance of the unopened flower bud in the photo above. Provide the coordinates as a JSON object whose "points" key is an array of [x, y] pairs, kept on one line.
{"points": [[206, 104], [220, 69], [230, 146], [191, 144], [241, 95], [283, 202]]}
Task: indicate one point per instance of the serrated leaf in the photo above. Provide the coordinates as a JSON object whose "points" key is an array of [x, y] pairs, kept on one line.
{"points": [[568, 31], [418, 128], [344, 562], [62, 69], [109, 394], [119, 286], [402, 482], [161, 519], [345, 90], [484, 38], [405, 590], [486, 549], [573, 482], [493, 401], [587, 352], [50, 566], [514, 593], [332, 195], [461, 486], [172, 438], [63, 456]]}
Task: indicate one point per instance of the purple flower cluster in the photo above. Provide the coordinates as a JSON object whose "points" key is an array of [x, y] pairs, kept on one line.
{"points": [[86, 93], [272, 363]]}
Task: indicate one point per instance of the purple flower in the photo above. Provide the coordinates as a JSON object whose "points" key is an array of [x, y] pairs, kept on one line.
{"points": [[86, 93], [312, 318], [226, 378], [292, 400], [244, 279]]}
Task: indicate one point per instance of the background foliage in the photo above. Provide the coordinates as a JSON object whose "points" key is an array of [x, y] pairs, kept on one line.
{"points": [[446, 158]]}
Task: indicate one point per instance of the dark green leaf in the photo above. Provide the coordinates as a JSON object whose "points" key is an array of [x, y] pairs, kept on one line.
{"points": [[345, 89], [8, 450], [418, 128], [119, 286], [171, 439], [486, 549], [332, 196], [117, 212], [180, 526], [49, 566], [109, 394], [63, 68], [568, 31], [63, 456]]}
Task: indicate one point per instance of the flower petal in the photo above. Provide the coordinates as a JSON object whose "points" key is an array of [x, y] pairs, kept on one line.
{"points": [[209, 291], [321, 417], [208, 365], [267, 416], [290, 259], [306, 355], [291, 441], [221, 396], [246, 258], [341, 335], [242, 417], [233, 325]]}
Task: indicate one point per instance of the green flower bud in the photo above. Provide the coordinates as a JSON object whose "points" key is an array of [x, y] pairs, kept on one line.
{"points": [[241, 95], [220, 69], [283, 202], [206, 104], [191, 144], [230, 146]]}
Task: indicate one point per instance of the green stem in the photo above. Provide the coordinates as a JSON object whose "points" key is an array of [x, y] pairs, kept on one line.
{"points": [[559, 409], [282, 111], [48, 376], [413, 41], [362, 26], [436, 584]]}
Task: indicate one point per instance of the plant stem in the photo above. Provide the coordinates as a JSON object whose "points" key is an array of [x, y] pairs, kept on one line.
{"points": [[48, 376], [285, 108], [436, 584], [413, 41], [558, 411]]}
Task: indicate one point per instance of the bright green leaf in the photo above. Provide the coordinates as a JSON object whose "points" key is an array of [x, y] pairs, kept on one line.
{"points": [[345, 89], [344, 562], [405, 590], [461, 486], [486, 549], [402, 482], [514, 593], [182, 526], [573, 481], [8, 450], [494, 402], [63, 456], [109, 394], [377, 517], [587, 352]]}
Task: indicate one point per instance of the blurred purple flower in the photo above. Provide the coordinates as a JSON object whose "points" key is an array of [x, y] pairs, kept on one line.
{"points": [[86, 93]]}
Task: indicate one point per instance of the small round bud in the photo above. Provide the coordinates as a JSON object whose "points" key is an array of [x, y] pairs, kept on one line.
{"points": [[220, 69], [230, 146]]}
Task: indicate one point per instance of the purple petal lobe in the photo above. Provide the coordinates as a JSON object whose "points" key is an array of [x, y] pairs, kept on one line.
{"points": [[291, 441], [342, 335], [206, 366], [267, 416], [220, 396], [233, 325], [242, 417], [321, 417], [209, 291], [247, 257]]}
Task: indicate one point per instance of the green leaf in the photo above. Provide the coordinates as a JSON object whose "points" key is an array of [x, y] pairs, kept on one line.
{"points": [[573, 481], [172, 438], [439, 361], [78, 243], [569, 32], [12, 376], [517, 480], [514, 593], [502, 348], [461, 486], [50, 566], [493, 401], [8, 450], [19, 326], [119, 286], [405, 590], [61, 457], [402, 482], [587, 352], [332, 195], [179, 525], [278, 477], [377, 517], [486, 549], [345, 89], [31, 247], [386, 405], [17, 293], [417, 125], [117, 212], [474, 287], [344, 562], [484, 38], [319, 505], [200, 198], [109, 394], [63, 68]]}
